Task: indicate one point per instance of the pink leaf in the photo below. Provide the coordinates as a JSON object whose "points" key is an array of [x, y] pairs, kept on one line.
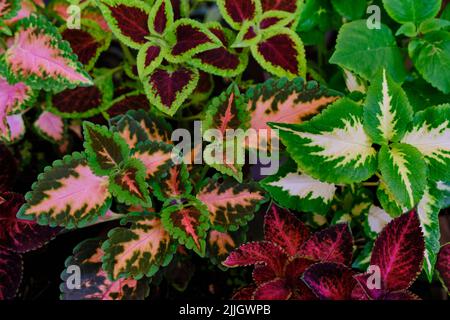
{"points": [[51, 126], [273, 290]]}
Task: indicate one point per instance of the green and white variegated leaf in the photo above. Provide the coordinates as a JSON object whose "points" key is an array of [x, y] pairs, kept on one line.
{"points": [[388, 201], [333, 146], [444, 191], [387, 111], [67, 194], [298, 191], [139, 250], [128, 184], [430, 134], [404, 172], [362, 260], [428, 211], [105, 149], [341, 217], [376, 220]]}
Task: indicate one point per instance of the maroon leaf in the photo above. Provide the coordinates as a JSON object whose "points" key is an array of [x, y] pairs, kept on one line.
{"points": [[273, 290], [330, 281], [443, 265], [398, 252], [294, 270], [281, 5], [334, 244], [11, 267], [256, 253], [284, 229], [161, 16], [8, 168], [131, 101], [83, 44], [21, 235], [262, 273], [235, 12], [245, 293], [401, 295]]}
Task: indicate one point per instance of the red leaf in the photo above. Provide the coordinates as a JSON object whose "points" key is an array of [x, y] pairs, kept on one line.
{"points": [[220, 58], [245, 293], [294, 270], [11, 267], [330, 281], [334, 244], [282, 5], [160, 21], [273, 290], [258, 252], [8, 168], [21, 235], [262, 273], [134, 101], [284, 229], [78, 100], [443, 265], [398, 252], [83, 44], [401, 295], [238, 11]]}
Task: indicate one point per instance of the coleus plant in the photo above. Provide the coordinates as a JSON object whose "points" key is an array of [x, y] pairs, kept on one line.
{"points": [[292, 264]]}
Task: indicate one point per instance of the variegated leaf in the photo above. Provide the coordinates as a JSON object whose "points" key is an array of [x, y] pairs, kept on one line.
{"points": [[220, 244], [236, 12], [230, 204], [134, 100], [9, 9], [173, 185], [94, 282], [150, 57], [388, 201], [387, 111], [376, 220], [333, 146], [156, 157], [130, 130], [161, 16], [430, 134], [67, 194], [156, 127], [51, 127], [404, 172], [139, 250], [298, 191], [105, 149], [39, 57], [16, 128]]}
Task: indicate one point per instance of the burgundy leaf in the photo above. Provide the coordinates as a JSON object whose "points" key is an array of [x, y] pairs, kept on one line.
{"points": [[268, 22], [262, 273], [132, 101], [8, 168], [443, 265], [281, 5], [79, 100], [220, 58], [284, 229], [188, 36], [294, 270], [11, 267], [21, 235], [401, 295], [334, 244], [398, 252], [245, 293], [330, 281], [273, 290], [256, 253], [160, 16], [83, 44], [235, 12]]}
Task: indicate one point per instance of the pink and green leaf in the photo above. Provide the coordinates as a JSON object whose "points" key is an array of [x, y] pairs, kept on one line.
{"points": [[161, 16], [51, 127], [230, 204], [236, 12], [128, 20], [40, 58], [129, 129], [11, 267], [94, 282], [15, 127], [105, 149], [156, 157], [67, 194], [156, 127], [173, 185], [9, 9], [220, 244]]}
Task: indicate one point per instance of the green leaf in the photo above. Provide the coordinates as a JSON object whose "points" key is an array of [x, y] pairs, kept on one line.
{"points": [[431, 56], [351, 10], [416, 11], [431, 25], [408, 29], [67, 194], [333, 146], [362, 260], [128, 184], [105, 149], [367, 51], [388, 201], [430, 134], [404, 171], [421, 94], [387, 111], [298, 191], [139, 250]]}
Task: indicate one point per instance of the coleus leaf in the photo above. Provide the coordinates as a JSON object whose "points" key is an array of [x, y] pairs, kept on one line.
{"points": [[88, 42], [188, 223], [398, 253], [186, 38], [156, 157], [248, 36], [443, 265], [274, 19], [94, 282], [333, 146], [272, 290], [16, 127], [128, 20], [288, 6], [205, 88], [388, 201], [298, 191], [51, 127], [105, 149], [334, 244], [404, 171], [161, 16], [220, 244], [221, 61], [236, 12], [168, 87], [330, 281], [129, 129], [245, 293], [181, 8], [128, 184], [130, 101], [82, 102], [230, 204], [156, 127], [387, 111], [175, 184], [67, 194], [21, 235], [9, 168], [150, 57], [139, 250], [286, 101], [376, 220], [11, 267], [41, 59], [9, 9], [281, 52], [284, 229], [430, 134]]}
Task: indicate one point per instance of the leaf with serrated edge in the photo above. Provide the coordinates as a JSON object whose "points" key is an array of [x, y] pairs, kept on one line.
{"points": [[161, 16], [376, 220], [235, 12], [175, 184], [150, 57], [50, 127], [156, 157], [130, 130]]}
